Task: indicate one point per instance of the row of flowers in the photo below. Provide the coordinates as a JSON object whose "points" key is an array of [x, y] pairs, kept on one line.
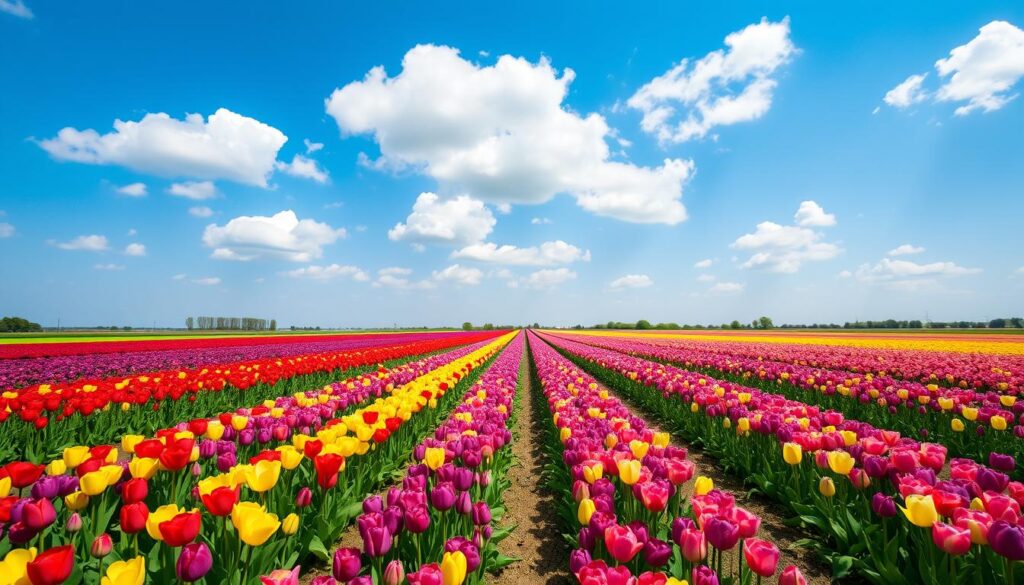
{"points": [[42, 420], [628, 485], [982, 370], [850, 482], [439, 526], [188, 507], [28, 364], [971, 423]]}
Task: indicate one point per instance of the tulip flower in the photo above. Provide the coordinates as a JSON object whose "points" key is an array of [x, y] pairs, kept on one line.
{"points": [[327, 467], [38, 514], [951, 539], [792, 576], [394, 573], [347, 564], [195, 562], [434, 458], [722, 534], [622, 543], [180, 530], [14, 566], [883, 505], [629, 471], [792, 453], [130, 572], [1007, 540], [702, 485], [263, 475], [254, 524], [704, 575], [453, 568], [101, 546], [827, 487], [920, 510], [585, 511], [762, 556], [281, 577], [290, 524], [134, 517], [53, 566]]}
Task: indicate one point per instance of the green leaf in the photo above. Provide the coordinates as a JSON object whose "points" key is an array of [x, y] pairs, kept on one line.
{"points": [[317, 548], [502, 561]]}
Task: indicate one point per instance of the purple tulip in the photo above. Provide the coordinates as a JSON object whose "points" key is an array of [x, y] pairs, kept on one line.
{"points": [[304, 498], [657, 552], [463, 503], [347, 564], [481, 514], [578, 559], [376, 536], [722, 534], [394, 519], [703, 575], [417, 519], [195, 562], [443, 496], [373, 504], [1007, 540], [883, 505]]}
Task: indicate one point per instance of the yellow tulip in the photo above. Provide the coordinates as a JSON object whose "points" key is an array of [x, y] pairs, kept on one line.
{"points": [[5, 486], [290, 524], [129, 442], [840, 462], [13, 569], [263, 475], [969, 413], [113, 473], [158, 517], [674, 581], [143, 467], [57, 467], [592, 473], [585, 511], [93, 483], [998, 423], [131, 572], [239, 422], [702, 485], [564, 434], [827, 487], [75, 501], [290, 457], [214, 431], [920, 510], [629, 471], [639, 449], [792, 453], [1007, 400], [661, 440], [434, 457], [611, 440], [75, 456], [453, 568], [255, 525], [957, 425]]}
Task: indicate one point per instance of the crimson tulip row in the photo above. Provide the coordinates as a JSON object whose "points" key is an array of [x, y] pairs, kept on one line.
{"points": [[848, 491], [971, 423], [277, 509], [627, 483], [164, 402]]}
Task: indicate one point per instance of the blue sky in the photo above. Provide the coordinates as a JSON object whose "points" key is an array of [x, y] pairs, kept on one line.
{"points": [[684, 133]]}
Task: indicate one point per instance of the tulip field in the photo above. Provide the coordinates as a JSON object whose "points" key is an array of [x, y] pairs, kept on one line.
{"points": [[665, 458]]}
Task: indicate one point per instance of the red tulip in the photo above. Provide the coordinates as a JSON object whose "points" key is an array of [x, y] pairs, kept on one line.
{"points": [[762, 556], [182, 529], [134, 490], [53, 566], [951, 539], [23, 473], [38, 514], [622, 543], [133, 517], [220, 501], [176, 454], [327, 467]]}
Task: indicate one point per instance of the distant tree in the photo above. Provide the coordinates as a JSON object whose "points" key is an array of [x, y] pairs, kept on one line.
{"points": [[734, 325], [467, 326], [18, 325], [1016, 322], [488, 327], [997, 323], [764, 323], [189, 323], [273, 324], [644, 324], [914, 324]]}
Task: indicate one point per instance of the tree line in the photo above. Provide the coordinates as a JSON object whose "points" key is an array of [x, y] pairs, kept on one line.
{"points": [[18, 325], [230, 324]]}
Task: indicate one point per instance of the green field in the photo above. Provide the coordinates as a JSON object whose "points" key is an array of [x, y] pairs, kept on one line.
{"points": [[87, 336]]}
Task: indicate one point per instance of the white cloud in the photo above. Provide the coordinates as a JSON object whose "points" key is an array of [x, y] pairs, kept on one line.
{"points": [[303, 167], [722, 88], [457, 221], [179, 277], [907, 93], [459, 275], [501, 134], [195, 190], [17, 8], [547, 254], [981, 73], [201, 211], [540, 221], [280, 236], [845, 274], [91, 243], [6, 230], [887, 271], [727, 287], [225, 146], [311, 146], [135, 250], [904, 250], [705, 263], [706, 278], [132, 232], [548, 278], [631, 281], [810, 214], [133, 190], [108, 267], [329, 272], [397, 277], [208, 281]]}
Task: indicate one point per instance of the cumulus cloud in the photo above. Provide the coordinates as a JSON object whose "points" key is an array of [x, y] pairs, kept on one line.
{"points": [[540, 221], [225, 146], [905, 275], [459, 275], [631, 281], [705, 263], [785, 248], [303, 167], [502, 134], [979, 75], [706, 278], [90, 243], [108, 267], [311, 146], [810, 214], [722, 88], [907, 93], [195, 190], [207, 281], [329, 272], [457, 221], [398, 277], [548, 278], [905, 250], [547, 254], [135, 250], [200, 211], [280, 236], [133, 190], [16, 8], [6, 230], [727, 287]]}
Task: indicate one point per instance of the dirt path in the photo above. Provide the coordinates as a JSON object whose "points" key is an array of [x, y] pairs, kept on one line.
{"points": [[772, 527], [537, 539]]}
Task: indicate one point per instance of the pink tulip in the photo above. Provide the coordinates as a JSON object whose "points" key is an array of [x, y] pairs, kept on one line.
{"points": [[951, 539], [622, 543], [762, 556]]}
